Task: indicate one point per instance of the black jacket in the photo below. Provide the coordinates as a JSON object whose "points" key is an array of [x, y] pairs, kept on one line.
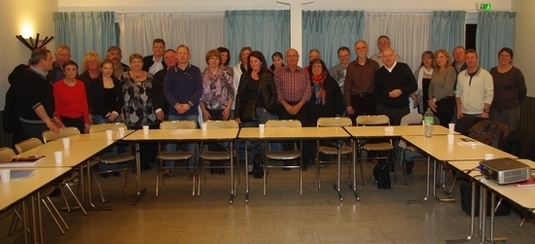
{"points": [[334, 102], [267, 88], [147, 62], [96, 96]]}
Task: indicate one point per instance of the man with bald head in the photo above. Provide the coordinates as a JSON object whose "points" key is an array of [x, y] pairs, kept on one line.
{"points": [[294, 91], [383, 43], [393, 84]]}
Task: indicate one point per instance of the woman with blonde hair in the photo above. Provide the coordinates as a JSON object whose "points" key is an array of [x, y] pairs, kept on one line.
{"points": [[90, 68], [441, 96]]}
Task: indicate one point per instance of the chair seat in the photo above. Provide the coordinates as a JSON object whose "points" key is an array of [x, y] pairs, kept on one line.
{"points": [[215, 155], [47, 190], [383, 146], [168, 155], [334, 151], [283, 155], [115, 159]]}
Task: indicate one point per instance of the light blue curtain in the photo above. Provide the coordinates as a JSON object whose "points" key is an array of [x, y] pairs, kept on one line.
{"points": [[495, 30], [329, 30], [447, 30], [85, 31], [265, 30]]}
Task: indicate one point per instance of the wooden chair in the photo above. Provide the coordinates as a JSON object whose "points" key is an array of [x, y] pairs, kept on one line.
{"points": [[329, 150], [284, 155], [49, 135], [28, 144], [173, 155]]}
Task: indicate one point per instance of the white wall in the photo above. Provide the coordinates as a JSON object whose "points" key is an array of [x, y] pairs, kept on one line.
{"points": [[524, 36], [219, 6], [14, 14]]}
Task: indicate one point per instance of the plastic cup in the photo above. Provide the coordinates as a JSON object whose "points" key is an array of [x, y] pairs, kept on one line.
{"points": [[451, 127], [121, 132], [262, 128], [66, 142], [5, 174], [146, 129], [109, 134], [58, 156], [204, 126], [451, 138], [489, 156]]}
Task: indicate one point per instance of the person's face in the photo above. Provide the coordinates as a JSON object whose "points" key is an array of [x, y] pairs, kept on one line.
{"points": [[91, 63], [169, 58], [313, 55], [62, 55], [255, 63], [458, 55], [277, 61], [317, 69], [361, 49], [107, 70], [383, 44], [441, 60], [292, 57], [136, 64], [48, 63], [505, 58], [158, 48], [70, 71], [213, 62], [427, 60], [471, 60], [244, 56], [115, 56], [343, 55], [224, 58], [182, 55], [388, 58]]}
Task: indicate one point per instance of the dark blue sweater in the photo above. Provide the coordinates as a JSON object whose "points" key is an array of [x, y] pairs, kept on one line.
{"points": [[183, 86]]}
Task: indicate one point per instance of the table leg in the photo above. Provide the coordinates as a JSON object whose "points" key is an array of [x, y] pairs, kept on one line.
{"points": [[39, 217], [493, 206], [246, 174], [232, 185], [426, 185], [24, 220], [354, 171], [483, 213], [337, 186], [472, 217], [92, 206], [435, 183], [34, 222], [140, 192]]}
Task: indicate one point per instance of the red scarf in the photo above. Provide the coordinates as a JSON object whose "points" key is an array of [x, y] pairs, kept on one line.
{"points": [[319, 89]]}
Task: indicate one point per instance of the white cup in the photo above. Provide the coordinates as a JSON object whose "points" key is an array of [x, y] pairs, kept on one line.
{"points": [[204, 126], [121, 132], [489, 156], [146, 129], [262, 128], [451, 138], [451, 126], [58, 156], [66, 142], [5, 174], [109, 134]]}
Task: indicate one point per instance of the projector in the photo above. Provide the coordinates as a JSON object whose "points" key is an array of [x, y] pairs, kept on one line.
{"points": [[505, 170]]}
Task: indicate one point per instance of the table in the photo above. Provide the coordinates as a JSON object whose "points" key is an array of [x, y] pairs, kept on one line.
{"points": [[438, 148], [294, 133], [18, 189], [190, 135], [101, 135]]}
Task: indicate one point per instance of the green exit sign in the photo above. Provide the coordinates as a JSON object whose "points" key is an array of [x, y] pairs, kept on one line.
{"points": [[484, 6]]}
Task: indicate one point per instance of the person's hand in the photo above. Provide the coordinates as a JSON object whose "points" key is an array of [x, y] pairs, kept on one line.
{"points": [[459, 113], [86, 127], [90, 119], [287, 107], [160, 116], [350, 110], [415, 103], [226, 113], [394, 93], [182, 108], [112, 117], [52, 127], [485, 115], [238, 120], [432, 105], [205, 115]]}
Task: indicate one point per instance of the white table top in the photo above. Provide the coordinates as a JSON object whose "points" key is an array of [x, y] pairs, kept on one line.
{"points": [[294, 133], [399, 130], [183, 135], [99, 136], [438, 148], [77, 153], [18, 189], [523, 196]]}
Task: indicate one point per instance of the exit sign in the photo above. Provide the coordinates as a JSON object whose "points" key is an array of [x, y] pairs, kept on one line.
{"points": [[484, 6]]}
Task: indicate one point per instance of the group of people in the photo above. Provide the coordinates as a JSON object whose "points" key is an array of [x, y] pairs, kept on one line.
{"points": [[166, 86]]}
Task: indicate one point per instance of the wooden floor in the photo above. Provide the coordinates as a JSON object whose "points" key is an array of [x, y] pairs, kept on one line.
{"points": [[282, 216]]}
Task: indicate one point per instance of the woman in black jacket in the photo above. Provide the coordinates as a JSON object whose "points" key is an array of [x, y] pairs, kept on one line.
{"points": [[106, 96]]}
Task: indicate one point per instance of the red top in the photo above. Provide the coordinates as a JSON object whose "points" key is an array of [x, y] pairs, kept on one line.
{"points": [[71, 101]]}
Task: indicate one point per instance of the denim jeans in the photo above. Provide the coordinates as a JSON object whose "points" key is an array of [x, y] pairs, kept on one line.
{"points": [[188, 146]]}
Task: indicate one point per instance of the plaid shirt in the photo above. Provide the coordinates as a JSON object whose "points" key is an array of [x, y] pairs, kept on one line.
{"points": [[293, 86]]}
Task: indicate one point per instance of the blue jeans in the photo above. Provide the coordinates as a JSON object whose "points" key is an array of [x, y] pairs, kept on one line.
{"points": [[507, 116], [188, 146], [99, 119]]}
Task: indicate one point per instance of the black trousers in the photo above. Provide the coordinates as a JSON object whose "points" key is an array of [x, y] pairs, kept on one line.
{"points": [[445, 110], [363, 104], [74, 122], [308, 149]]}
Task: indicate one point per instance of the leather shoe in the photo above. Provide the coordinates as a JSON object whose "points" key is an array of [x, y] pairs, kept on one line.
{"points": [[409, 165]]}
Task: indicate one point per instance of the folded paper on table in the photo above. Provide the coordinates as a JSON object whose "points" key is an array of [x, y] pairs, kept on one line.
{"points": [[182, 131]]}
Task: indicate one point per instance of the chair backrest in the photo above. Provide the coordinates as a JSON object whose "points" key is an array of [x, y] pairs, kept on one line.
{"points": [[178, 124], [372, 120], [106, 126], [28, 144], [6, 154], [334, 122], [49, 135], [220, 124], [283, 123]]}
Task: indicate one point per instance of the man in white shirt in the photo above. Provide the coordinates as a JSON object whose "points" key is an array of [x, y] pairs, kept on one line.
{"points": [[154, 63]]}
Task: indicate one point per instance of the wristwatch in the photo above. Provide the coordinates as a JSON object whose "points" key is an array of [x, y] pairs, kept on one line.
{"points": [[190, 104]]}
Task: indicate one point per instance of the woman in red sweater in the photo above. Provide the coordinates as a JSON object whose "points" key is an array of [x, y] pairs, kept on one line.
{"points": [[70, 98]]}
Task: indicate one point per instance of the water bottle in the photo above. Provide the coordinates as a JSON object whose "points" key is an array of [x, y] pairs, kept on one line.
{"points": [[428, 123]]}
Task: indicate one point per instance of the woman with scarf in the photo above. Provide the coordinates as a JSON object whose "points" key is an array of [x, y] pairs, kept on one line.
{"points": [[326, 99], [217, 96], [418, 100]]}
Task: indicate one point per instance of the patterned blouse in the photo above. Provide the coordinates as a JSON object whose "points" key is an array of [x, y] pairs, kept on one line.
{"points": [[138, 101], [217, 89]]}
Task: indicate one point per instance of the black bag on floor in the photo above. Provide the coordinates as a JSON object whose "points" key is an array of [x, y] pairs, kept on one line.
{"points": [[466, 198], [381, 173], [258, 167]]}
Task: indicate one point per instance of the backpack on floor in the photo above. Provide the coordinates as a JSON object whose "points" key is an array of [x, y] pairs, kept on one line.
{"points": [[382, 175]]}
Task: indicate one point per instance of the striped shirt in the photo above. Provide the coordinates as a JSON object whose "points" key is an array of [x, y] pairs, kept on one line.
{"points": [[292, 86]]}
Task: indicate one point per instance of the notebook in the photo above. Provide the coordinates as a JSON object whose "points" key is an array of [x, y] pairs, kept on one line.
{"points": [[26, 161]]}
